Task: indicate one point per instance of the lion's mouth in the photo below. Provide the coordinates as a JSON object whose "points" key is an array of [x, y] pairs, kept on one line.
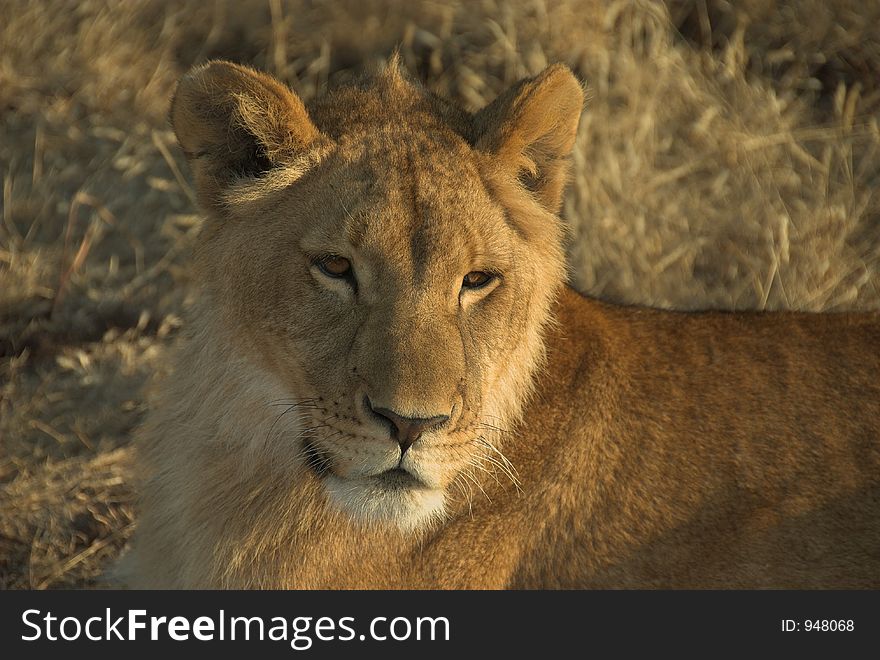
{"points": [[394, 479]]}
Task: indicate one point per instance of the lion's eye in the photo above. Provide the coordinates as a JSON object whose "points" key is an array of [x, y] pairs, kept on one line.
{"points": [[476, 279], [334, 266]]}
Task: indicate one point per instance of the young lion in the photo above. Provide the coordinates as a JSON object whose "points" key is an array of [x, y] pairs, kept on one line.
{"points": [[387, 383]]}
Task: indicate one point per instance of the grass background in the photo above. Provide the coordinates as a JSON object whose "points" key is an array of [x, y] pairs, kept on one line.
{"points": [[729, 158]]}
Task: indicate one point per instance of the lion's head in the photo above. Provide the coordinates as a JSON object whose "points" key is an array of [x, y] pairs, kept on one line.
{"points": [[388, 258]]}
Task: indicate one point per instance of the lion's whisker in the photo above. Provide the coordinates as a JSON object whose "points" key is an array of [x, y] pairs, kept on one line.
{"points": [[489, 445]]}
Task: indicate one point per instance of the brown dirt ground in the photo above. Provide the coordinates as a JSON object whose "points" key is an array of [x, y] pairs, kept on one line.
{"points": [[729, 158]]}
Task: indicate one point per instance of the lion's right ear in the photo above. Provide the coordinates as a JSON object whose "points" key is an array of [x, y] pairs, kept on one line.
{"points": [[234, 122], [531, 130]]}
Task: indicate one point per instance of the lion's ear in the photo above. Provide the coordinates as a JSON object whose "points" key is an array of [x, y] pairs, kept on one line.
{"points": [[531, 128], [234, 122]]}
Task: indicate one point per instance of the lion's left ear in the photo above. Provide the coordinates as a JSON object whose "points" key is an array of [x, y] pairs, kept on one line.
{"points": [[234, 122], [531, 129]]}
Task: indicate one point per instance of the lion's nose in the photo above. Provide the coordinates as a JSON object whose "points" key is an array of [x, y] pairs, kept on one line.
{"points": [[406, 430]]}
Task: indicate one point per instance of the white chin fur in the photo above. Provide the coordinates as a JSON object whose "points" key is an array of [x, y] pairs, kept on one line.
{"points": [[368, 501]]}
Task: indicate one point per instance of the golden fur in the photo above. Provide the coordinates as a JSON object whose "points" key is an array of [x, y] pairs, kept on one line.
{"points": [[587, 445]]}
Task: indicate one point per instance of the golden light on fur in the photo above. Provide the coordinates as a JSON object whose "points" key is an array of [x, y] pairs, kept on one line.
{"points": [[402, 231], [434, 434]]}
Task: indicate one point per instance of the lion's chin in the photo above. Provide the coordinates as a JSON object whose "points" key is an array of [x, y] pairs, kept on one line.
{"points": [[389, 498]]}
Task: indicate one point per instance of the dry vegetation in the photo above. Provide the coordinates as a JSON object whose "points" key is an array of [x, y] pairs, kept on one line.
{"points": [[728, 158]]}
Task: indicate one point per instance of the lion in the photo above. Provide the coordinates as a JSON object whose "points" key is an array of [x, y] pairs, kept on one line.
{"points": [[387, 382]]}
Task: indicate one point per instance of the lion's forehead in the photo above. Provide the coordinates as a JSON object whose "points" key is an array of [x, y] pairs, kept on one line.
{"points": [[427, 163], [423, 204]]}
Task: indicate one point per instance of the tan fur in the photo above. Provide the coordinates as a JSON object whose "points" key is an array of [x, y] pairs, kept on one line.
{"points": [[589, 445]]}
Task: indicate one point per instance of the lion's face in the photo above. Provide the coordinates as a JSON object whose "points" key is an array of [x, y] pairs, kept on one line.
{"points": [[396, 318], [393, 275]]}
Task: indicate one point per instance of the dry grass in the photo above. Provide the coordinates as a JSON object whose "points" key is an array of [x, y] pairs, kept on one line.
{"points": [[804, 47], [728, 159]]}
